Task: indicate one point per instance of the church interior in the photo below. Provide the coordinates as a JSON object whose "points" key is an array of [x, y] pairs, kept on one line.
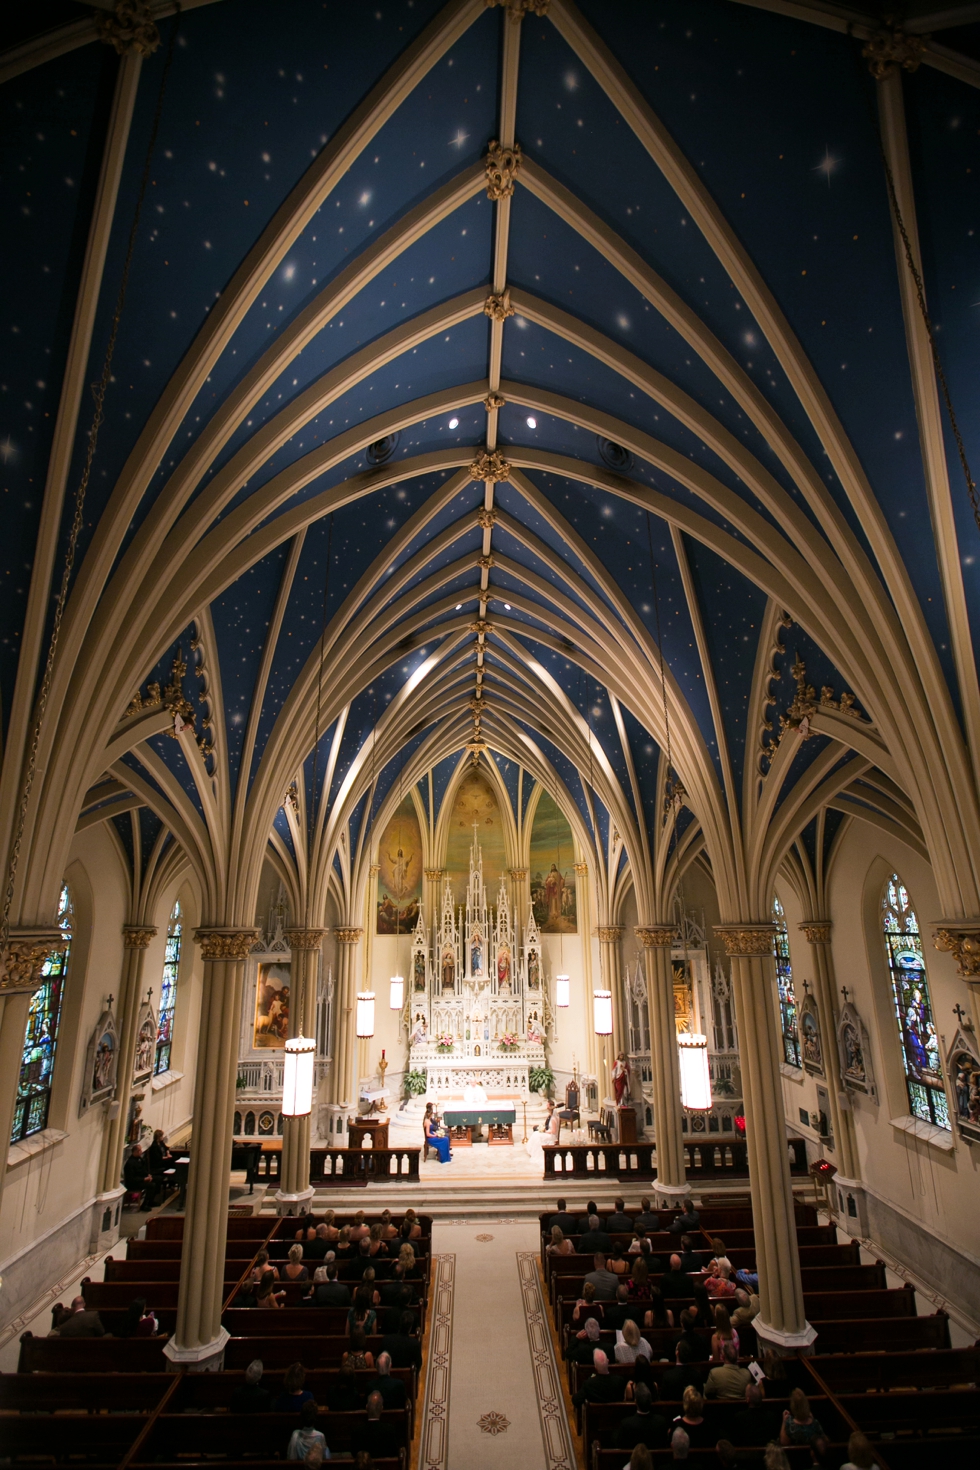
{"points": [[489, 802]]}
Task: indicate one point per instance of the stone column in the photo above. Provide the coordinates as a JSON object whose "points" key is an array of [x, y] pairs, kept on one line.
{"points": [[817, 932], [782, 1321], [295, 1191], [432, 894], [199, 1340], [345, 1047], [20, 976], [657, 941], [136, 940]]}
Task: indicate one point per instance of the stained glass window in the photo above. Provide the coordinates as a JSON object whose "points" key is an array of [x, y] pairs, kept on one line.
{"points": [[41, 1039], [168, 993], [913, 1007], [784, 984]]}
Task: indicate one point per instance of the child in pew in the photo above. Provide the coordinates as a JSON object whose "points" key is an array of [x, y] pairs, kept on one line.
{"points": [[303, 1439]]}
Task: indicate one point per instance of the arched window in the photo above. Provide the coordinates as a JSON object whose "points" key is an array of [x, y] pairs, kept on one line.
{"points": [[41, 1039], [784, 984], [168, 993], [913, 1007]]}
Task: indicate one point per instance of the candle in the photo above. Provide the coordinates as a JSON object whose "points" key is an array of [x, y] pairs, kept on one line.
{"points": [[382, 1053]]}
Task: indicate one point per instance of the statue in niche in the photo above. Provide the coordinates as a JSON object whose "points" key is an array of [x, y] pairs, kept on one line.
{"points": [[810, 1037], [533, 971], [419, 1034], [476, 957], [503, 971], [448, 972], [418, 972]]}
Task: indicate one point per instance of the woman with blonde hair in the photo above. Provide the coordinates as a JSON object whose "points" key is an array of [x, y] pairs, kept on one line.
{"points": [[860, 1454], [415, 1229], [406, 1257], [329, 1227], [358, 1229], [630, 1345], [691, 1419], [387, 1228], [294, 1270], [376, 1238], [724, 1332], [800, 1425], [558, 1245], [640, 1459]]}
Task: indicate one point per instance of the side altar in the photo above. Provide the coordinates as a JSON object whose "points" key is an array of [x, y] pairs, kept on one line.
{"points": [[477, 1008]]}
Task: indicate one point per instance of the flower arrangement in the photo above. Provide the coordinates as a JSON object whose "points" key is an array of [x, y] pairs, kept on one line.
{"points": [[445, 1042], [509, 1042]]}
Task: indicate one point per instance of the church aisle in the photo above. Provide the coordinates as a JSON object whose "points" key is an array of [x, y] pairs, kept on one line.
{"points": [[500, 1400]]}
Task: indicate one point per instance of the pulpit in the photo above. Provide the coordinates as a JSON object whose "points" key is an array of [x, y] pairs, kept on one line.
{"points": [[367, 1133], [626, 1125]]}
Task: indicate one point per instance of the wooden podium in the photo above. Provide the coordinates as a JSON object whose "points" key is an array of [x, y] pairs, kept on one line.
{"points": [[626, 1125], [361, 1128]]}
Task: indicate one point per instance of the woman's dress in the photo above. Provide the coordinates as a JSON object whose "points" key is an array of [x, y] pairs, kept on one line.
{"points": [[439, 1143]]}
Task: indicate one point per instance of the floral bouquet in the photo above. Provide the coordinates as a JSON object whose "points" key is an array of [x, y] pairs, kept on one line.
{"points": [[509, 1042], [445, 1042]]}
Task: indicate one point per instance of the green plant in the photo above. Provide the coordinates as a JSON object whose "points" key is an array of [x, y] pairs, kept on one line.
{"points": [[239, 1083], [540, 1079], [415, 1083]]}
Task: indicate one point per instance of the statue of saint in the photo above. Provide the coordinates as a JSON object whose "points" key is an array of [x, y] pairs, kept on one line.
{"points": [[621, 1079]]}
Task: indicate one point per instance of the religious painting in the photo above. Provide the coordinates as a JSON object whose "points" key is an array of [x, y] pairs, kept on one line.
{"points": [[146, 1040], [100, 1062], [855, 1051], [475, 814], [400, 872], [963, 1069], [810, 1043], [552, 871], [271, 1025]]}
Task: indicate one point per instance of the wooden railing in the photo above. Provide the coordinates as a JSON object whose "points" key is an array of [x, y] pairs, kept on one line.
{"points": [[358, 1165], [705, 1160]]}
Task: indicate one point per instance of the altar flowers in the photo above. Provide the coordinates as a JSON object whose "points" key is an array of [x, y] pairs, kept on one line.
{"points": [[445, 1042], [509, 1042]]}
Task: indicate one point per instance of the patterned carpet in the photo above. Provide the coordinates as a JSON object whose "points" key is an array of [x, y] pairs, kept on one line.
{"points": [[493, 1396]]}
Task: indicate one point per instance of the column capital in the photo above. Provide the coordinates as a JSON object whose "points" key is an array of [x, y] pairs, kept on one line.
{"points": [[656, 936], [137, 936], [519, 875], [305, 938], [226, 944], [817, 931], [610, 933], [349, 935], [433, 874], [746, 939], [374, 869], [961, 939], [580, 868], [25, 953]]}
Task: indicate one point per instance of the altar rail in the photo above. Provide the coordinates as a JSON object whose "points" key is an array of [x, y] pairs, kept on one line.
{"points": [[358, 1165], [639, 1160]]}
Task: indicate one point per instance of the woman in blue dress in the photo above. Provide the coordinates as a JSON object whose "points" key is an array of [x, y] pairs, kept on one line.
{"points": [[434, 1137]]}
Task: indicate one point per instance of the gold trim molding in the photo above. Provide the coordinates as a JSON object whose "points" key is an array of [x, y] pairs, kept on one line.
{"points": [[348, 935], [497, 306], [135, 937], [517, 9], [433, 874], [746, 940], [502, 165], [889, 49], [494, 400], [519, 875], [962, 941], [305, 938], [129, 28], [24, 955], [817, 931], [581, 869], [226, 944], [490, 465], [656, 936], [610, 933]]}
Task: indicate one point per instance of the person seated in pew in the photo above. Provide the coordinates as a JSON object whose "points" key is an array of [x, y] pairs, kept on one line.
{"points": [[602, 1387], [755, 1424], [727, 1380], [407, 1257], [689, 1322], [687, 1221], [362, 1315], [303, 1439], [800, 1425], [359, 1228], [80, 1322], [594, 1239], [316, 1249], [266, 1295], [635, 1247], [647, 1220], [327, 1290], [717, 1258], [294, 1391], [675, 1281], [567, 1224], [720, 1283], [643, 1426], [680, 1444], [250, 1397], [342, 1248], [328, 1227], [824, 1456], [403, 1347], [410, 1228], [775, 1458], [642, 1373], [860, 1453], [137, 1178], [375, 1240], [724, 1335], [559, 1244], [370, 1282], [391, 1289], [262, 1266], [604, 1281], [639, 1283], [684, 1374], [621, 1311], [727, 1454], [617, 1262], [388, 1228], [746, 1308], [619, 1223], [654, 1264], [584, 1343], [657, 1313], [378, 1438], [352, 1269], [397, 1309], [294, 1270], [691, 1420], [357, 1355], [748, 1279], [629, 1344], [343, 1393], [392, 1390], [690, 1258]]}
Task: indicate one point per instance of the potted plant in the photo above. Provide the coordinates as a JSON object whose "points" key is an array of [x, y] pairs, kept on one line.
{"points": [[445, 1042], [509, 1042], [540, 1079], [415, 1083]]}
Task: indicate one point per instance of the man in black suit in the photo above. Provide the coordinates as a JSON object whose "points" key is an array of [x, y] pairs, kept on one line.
{"points": [[250, 1397], [683, 1375], [691, 1260], [676, 1282], [567, 1223], [403, 1346], [392, 1390], [619, 1223], [82, 1321], [594, 1239], [647, 1219], [393, 1290], [379, 1439], [700, 1346], [755, 1424], [644, 1426], [316, 1249], [622, 1310], [602, 1387], [688, 1220], [331, 1293]]}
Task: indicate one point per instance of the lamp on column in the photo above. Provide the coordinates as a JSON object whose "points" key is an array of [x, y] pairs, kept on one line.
{"points": [[297, 1077], [602, 1012], [365, 1013], [396, 996], [563, 990], [695, 1076]]}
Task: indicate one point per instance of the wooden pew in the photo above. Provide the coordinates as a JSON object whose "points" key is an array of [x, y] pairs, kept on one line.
{"points": [[176, 1436], [91, 1354], [600, 1421], [798, 1457], [250, 1227], [146, 1271], [98, 1439], [901, 1334], [297, 1321], [879, 1372]]}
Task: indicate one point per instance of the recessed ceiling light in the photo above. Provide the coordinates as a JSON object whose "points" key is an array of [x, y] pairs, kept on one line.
{"points": [[507, 606], [532, 423], [458, 606], [454, 423]]}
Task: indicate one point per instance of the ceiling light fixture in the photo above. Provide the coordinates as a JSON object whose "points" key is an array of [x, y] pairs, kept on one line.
{"points": [[532, 423], [563, 986], [602, 1012], [695, 1074], [365, 1013], [454, 423], [297, 1077]]}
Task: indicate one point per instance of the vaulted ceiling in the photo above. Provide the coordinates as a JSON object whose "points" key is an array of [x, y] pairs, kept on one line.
{"points": [[613, 447]]}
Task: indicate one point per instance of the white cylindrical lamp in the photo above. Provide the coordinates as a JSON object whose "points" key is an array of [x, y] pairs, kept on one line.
{"points": [[563, 991], [297, 1077], [695, 1075], [602, 1012], [396, 994], [365, 1013]]}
